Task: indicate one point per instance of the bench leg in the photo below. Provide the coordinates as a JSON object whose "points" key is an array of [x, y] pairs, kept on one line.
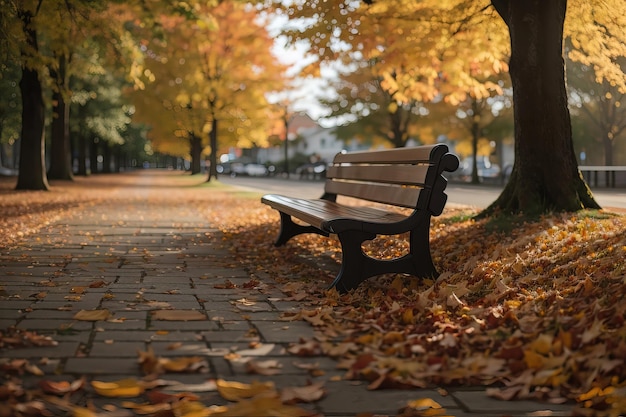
{"points": [[419, 252], [356, 266], [289, 229]]}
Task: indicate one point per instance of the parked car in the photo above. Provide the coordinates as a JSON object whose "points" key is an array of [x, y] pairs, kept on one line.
{"points": [[486, 170], [311, 171], [238, 168], [255, 170]]}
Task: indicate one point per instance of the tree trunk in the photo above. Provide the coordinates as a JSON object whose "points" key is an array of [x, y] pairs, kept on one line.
{"points": [[106, 158], [608, 149], [81, 147], [81, 141], [93, 155], [475, 128], [286, 149], [213, 157], [32, 170], [545, 174], [195, 143], [60, 154]]}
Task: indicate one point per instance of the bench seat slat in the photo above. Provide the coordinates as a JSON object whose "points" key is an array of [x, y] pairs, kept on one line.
{"points": [[316, 212]]}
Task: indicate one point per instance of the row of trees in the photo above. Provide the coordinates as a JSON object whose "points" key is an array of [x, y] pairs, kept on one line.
{"points": [[473, 123], [191, 72], [180, 74]]}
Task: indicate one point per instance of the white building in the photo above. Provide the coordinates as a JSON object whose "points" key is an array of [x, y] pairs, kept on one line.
{"points": [[306, 137]]}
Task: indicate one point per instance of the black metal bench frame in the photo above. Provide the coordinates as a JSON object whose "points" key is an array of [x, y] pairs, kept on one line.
{"points": [[404, 177]]}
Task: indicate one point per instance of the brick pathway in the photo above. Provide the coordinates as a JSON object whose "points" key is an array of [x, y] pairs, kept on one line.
{"points": [[158, 258]]}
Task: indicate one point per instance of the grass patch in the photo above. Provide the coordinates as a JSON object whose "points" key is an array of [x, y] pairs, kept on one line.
{"points": [[595, 214]]}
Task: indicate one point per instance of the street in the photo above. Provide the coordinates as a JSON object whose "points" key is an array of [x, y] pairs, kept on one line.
{"points": [[458, 193]]}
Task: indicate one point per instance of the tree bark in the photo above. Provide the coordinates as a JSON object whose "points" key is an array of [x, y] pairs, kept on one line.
{"points": [[213, 157], [32, 169], [60, 154], [106, 158], [94, 145], [81, 147], [195, 144], [608, 150], [545, 174]]}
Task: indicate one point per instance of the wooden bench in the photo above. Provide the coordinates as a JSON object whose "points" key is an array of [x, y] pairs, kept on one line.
{"points": [[403, 177]]}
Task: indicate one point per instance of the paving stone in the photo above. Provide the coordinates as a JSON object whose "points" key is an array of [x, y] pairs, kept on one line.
{"points": [[99, 366], [350, 398], [123, 325], [283, 332], [62, 349], [477, 401], [54, 324], [182, 325], [116, 349], [229, 336]]}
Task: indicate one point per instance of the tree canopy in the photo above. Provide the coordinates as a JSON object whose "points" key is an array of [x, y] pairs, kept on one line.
{"points": [[450, 50]]}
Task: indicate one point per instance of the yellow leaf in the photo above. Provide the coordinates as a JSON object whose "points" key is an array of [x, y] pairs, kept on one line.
{"points": [[178, 315], [83, 412], [407, 316], [92, 315], [424, 404], [181, 364], [237, 391], [542, 344], [533, 360], [264, 407], [397, 284], [393, 337], [129, 387], [196, 409]]}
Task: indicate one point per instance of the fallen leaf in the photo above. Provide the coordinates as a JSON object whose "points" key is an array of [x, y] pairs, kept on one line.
{"points": [[178, 315], [92, 315], [237, 391], [264, 407], [306, 394], [61, 387], [128, 387], [269, 367]]}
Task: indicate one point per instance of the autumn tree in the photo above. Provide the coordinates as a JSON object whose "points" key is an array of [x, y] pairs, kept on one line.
{"points": [[23, 43], [370, 112], [10, 110], [41, 36], [601, 106], [431, 40], [212, 69]]}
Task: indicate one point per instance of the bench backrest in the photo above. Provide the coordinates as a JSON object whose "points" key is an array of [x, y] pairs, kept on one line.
{"points": [[404, 177]]}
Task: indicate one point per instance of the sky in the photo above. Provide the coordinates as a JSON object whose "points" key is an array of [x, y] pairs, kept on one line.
{"points": [[306, 89]]}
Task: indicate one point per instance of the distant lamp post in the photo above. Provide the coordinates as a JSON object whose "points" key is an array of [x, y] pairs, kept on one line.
{"points": [[286, 122]]}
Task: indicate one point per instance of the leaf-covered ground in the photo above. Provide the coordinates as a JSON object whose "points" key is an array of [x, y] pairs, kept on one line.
{"points": [[533, 309]]}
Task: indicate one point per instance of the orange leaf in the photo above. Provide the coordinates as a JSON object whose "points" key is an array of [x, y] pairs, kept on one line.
{"points": [[129, 387], [237, 391], [178, 315]]}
